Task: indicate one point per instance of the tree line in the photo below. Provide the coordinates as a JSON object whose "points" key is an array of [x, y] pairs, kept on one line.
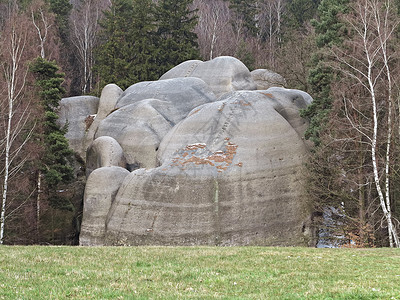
{"points": [[343, 52]]}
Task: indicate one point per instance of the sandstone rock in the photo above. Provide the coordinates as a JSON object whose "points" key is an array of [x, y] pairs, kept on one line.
{"points": [[76, 112], [108, 99], [100, 190], [223, 74], [291, 101], [183, 93], [141, 122], [104, 152], [265, 79], [205, 172], [230, 175]]}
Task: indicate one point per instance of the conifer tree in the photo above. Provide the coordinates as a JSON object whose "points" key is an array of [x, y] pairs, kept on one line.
{"points": [[246, 12], [128, 53], [144, 41], [55, 164], [62, 9], [324, 184], [114, 54], [298, 12], [178, 42], [330, 31]]}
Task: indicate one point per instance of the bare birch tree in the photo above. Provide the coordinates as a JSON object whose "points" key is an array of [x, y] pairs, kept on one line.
{"points": [[213, 28], [14, 113], [270, 23], [367, 59], [84, 24], [42, 29]]}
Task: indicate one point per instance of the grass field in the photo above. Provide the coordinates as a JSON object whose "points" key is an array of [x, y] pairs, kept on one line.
{"points": [[198, 273]]}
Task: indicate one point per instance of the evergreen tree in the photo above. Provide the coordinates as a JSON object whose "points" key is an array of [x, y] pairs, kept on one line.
{"points": [[62, 9], [144, 40], [324, 181], [298, 12], [297, 42], [178, 42], [330, 31], [114, 54], [128, 52], [246, 12], [55, 163]]}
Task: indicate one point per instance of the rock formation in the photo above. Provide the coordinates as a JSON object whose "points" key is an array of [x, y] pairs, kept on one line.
{"points": [[78, 113], [265, 79], [222, 74], [199, 157]]}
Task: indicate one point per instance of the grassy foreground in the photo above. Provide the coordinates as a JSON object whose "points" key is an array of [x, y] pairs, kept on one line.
{"points": [[198, 273]]}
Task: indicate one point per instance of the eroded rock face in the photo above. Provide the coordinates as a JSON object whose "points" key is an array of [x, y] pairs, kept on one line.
{"points": [[147, 111], [223, 74], [108, 99], [230, 175], [199, 171], [266, 79], [104, 152], [78, 113], [101, 188]]}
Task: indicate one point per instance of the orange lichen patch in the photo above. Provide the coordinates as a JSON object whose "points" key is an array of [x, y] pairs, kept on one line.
{"points": [[244, 103], [198, 161], [195, 146], [222, 168], [268, 95], [217, 157], [231, 149], [197, 154]]}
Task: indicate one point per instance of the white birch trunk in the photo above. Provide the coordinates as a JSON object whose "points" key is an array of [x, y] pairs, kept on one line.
{"points": [[14, 46], [10, 75], [84, 23], [42, 33], [383, 36], [38, 198], [374, 28], [6, 165]]}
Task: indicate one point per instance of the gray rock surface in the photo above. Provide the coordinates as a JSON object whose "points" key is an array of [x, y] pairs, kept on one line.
{"points": [[230, 175], [108, 99], [76, 112], [146, 113], [223, 74], [104, 152], [200, 171], [101, 188], [265, 79]]}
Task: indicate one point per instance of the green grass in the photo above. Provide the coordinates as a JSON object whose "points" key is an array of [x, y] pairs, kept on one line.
{"points": [[198, 273]]}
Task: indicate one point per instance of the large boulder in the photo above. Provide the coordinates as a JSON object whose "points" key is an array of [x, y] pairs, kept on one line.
{"points": [[223, 74], [147, 111], [169, 163], [230, 174], [266, 79], [104, 152], [108, 99], [101, 188], [77, 113]]}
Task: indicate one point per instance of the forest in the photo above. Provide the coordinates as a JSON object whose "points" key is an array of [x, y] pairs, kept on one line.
{"points": [[344, 53]]}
